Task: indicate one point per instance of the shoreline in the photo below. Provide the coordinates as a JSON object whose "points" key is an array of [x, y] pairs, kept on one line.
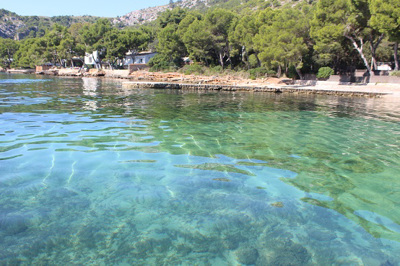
{"points": [[175, 80], [266, 88]]}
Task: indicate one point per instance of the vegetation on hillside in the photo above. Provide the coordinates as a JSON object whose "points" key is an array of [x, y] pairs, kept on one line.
{"points": [[13, 25]]}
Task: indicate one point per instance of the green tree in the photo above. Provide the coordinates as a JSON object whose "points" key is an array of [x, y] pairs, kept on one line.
{"points": [[92, 34], [386, 18], [92, 37], [53, 39], [174, 16], [170, 43], [187, 21], [117, 43], [32, 52], [8, 48], [66, 49], [244, 35], [335, 19], [199, 42], [282, 40], [221, 23]]}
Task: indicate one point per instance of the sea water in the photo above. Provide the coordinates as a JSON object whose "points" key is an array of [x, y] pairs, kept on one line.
{"points": [[92, 173]]}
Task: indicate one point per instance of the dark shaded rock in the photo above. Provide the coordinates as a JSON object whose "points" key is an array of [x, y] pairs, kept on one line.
{"points": [[387, 263], [61, 193], [321, 235], [13, 224], [285, 253], [183, 249], [247, 255], [295, 254], [144, 246], [277, 204]]}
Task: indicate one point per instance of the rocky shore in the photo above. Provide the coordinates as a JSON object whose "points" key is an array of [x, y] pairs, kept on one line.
{"points": [[175, 80]]}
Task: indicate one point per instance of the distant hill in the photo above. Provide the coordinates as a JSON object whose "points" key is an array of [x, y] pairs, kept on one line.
{"points": [[142, 16], [18, 27], [14, 26]]}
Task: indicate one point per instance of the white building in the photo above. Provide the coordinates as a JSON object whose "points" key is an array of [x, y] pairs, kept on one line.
{"points": [[138, 58], [383, 66], [92, 59]]}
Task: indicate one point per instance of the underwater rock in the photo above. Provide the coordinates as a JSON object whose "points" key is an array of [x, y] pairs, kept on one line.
{"points": [[230, 244], [387, 263], [139, 161], [321, 235], [144, 246], [163, 245], [90, 235], [183, 249], [278, 204], [61, 193], [286, 253], [217, 167], [247, 255], [222, 179], [13, 224], [362, 165]]}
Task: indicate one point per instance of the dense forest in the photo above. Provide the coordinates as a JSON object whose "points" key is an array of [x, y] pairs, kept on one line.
{"points": [[294, 38]]}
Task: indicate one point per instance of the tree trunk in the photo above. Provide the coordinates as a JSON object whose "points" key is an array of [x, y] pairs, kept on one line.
{"points": [[359, 49], [258, 60], [396, 58], [299, 73], [230, 59], [221, 59], [99, 64], [279, 73], [286, 69], [9, 58], [245, 58], [373, 47]]}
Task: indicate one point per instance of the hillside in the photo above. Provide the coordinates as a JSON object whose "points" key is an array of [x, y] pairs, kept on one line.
{"points": [[10, 23], [14, 26], [142, 16], [150, 14]]}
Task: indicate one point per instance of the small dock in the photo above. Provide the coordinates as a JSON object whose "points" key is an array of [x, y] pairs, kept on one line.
{"points": [[20, 71], [344, 91]]}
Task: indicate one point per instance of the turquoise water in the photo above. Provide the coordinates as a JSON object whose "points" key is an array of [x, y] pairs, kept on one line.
{"points": [[92, 173]]}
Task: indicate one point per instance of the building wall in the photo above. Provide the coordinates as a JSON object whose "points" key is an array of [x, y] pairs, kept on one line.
{"points": [[128, 61], [143, 59], [90, 59], [343, 79], [138, 59], [42, 68]]}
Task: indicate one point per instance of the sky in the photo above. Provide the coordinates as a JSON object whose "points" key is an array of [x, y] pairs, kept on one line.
{"points": [[101, 8]]}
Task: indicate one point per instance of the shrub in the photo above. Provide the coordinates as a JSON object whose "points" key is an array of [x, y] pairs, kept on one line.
{"points": [[159, 63], [258, 72], [216, 69], [271, 73], [253, 62], [192, 69], [324, 72], [292, 73], [395, 73]]}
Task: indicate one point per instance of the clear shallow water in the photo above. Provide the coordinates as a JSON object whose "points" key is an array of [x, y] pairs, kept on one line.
{"points": [[95, 174]]}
